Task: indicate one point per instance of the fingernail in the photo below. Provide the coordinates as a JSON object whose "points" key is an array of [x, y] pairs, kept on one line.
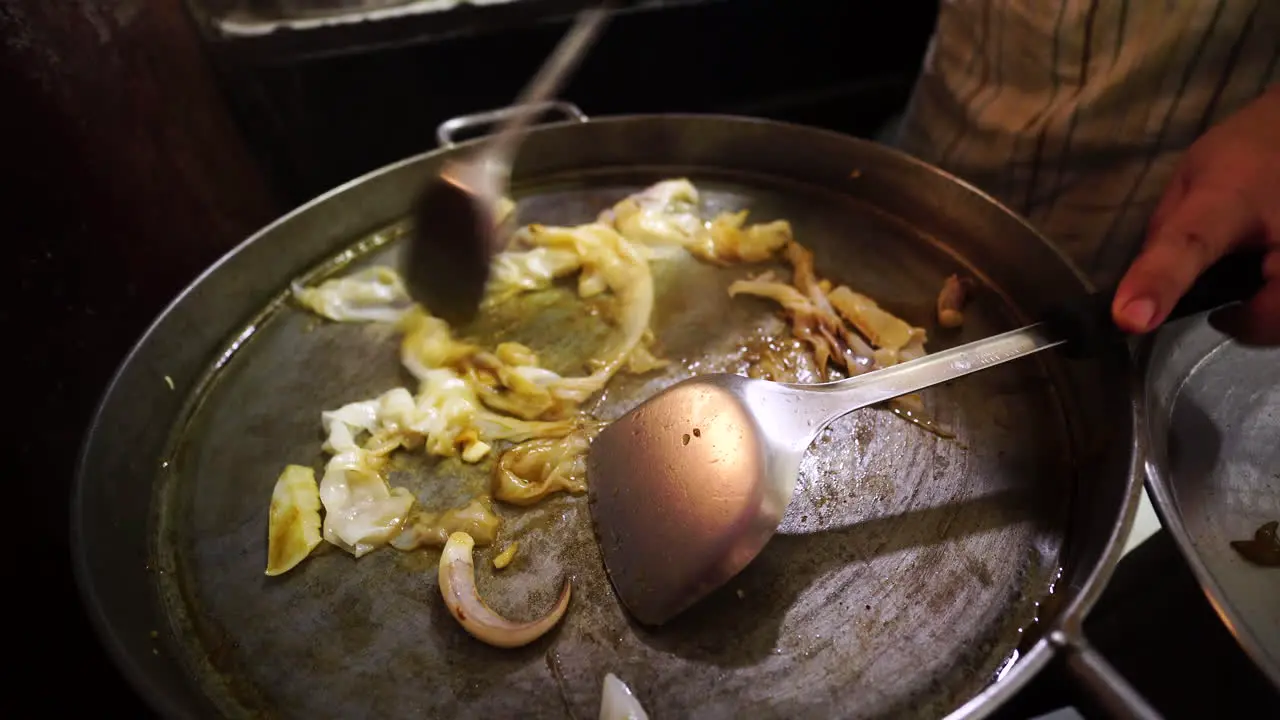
{"points": [[1138, 313]]}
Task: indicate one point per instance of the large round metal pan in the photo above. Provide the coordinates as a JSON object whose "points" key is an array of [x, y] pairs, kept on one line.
{"points": [[1214, 470], [914, 575]]}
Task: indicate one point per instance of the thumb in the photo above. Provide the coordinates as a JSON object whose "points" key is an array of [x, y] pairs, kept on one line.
{"points": [[1194, 235]]}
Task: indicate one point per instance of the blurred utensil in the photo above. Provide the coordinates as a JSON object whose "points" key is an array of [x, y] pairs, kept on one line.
{"points": [[456, 216]]}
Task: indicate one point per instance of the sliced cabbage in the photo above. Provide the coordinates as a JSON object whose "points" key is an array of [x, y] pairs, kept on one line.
{"points": [[428, 344], [376, 294], [725, 241], [294, 527], [617, 702], [428, 529], [362, 512], [882, 328], [514, 272], [528, 473], [610, 262], [510, 381], [820, 328], [665, 213]]}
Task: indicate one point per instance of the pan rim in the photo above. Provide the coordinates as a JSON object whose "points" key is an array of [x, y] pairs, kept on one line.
{"points": [[980, 705]]}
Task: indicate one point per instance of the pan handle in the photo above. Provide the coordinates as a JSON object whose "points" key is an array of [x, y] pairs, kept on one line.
{"points": [[449, 129], [1104, 683]]}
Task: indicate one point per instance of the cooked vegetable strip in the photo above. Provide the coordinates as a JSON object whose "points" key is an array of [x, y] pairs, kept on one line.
{"points": [[528, 473], [884, 330], [428, 344], [857, 356], [375, 294], [725, 242], [504, 558], [821, 330], [952, 299], [665, 213], [429, 529], [516, 272], [458, 587], [294, 527]]}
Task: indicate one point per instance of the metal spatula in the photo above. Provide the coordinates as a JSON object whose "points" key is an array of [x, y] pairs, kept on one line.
{"points": [[687, 488]]}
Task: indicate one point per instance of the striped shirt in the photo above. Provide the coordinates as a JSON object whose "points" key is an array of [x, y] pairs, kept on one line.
{"points": [[1074, 113]]}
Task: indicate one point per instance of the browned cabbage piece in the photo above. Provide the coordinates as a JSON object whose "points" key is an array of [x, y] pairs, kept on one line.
{"points": [[726, 242], [951, 300], [510, 380], [294, 527], [881, 328], [432, 529], [812, 318], [528, 473]]}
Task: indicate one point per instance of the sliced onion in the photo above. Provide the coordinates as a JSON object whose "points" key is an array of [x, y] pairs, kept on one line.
{"points": [[617, 702], [458, 586]]}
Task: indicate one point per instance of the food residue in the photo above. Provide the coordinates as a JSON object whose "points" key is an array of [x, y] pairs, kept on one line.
{"points": [[1263, 549], [951, 300], [504, 558]]}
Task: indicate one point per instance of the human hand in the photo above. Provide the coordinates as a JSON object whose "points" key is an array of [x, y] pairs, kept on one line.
{"points": [[1225, 196]]}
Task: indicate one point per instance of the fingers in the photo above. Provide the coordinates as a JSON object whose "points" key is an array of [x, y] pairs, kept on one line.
{"points": [[1192, 235], [1257, 322]]}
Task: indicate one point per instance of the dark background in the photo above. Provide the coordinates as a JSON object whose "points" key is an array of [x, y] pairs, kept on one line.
{"points": [[136, 154]]}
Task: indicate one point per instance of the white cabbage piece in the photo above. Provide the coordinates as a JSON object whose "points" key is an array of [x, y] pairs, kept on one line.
{"points": [[666, 216], [617, 702], [375, 294], [362, 512], [520, 271], [609, 261], [665, 213], [428, 344]]}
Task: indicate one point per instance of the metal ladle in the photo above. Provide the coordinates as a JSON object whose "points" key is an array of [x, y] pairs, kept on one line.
{"points": [[456, 234]]}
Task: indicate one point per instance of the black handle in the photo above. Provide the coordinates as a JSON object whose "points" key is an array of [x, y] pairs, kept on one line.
{"points": [[1088, 327]]}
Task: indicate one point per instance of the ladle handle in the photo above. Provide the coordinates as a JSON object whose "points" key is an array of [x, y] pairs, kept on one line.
{"points": [[550, 78], [1088, 327]]}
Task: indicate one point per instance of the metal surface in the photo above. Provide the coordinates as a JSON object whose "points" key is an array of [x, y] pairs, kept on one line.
{"points": [[910, 572], [1214, 470], [250, 34], [456, 233], [689, 486]]}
